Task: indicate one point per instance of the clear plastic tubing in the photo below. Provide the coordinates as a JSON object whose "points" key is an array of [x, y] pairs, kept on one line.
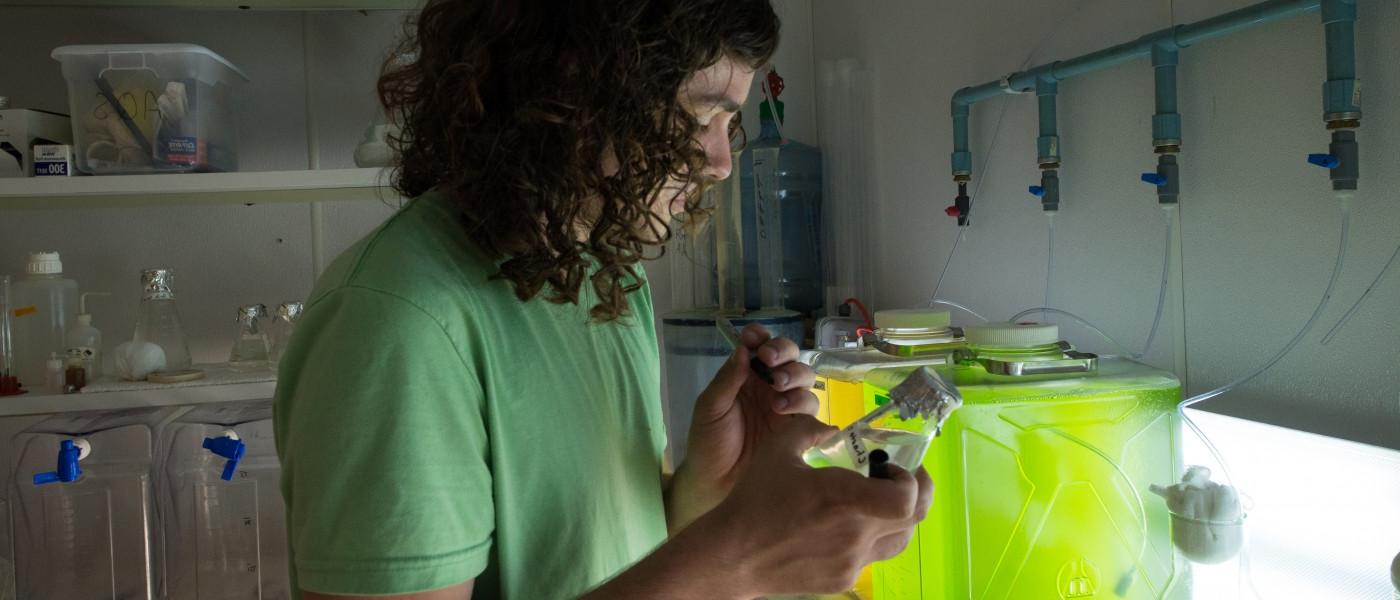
{"points": [[940, 301], [1169, 212], [1331, 333], [1344, 205]]}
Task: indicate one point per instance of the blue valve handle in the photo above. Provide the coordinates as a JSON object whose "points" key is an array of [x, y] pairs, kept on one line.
{"points": [[68, 470], [229, 448], [1156, 179], [1037, 191], [1326, 161]]}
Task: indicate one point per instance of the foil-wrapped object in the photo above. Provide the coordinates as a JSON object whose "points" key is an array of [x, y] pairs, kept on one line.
{"points": [[158, 284], [289, 311], [927, 394]]}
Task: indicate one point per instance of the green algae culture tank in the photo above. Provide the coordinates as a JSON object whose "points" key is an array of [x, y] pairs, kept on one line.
{"points": [[1041, 478]]}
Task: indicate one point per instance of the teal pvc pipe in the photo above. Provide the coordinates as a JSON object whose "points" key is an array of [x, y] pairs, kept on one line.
{"points": [[1340, 97], [1048, 145], [1166, 123], [1244, 18], [1181, 36], [1174, 38], [962, 157]]}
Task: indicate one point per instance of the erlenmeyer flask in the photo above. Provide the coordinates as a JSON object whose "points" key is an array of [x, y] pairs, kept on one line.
{"points": [[251, 347], [158, 322]]}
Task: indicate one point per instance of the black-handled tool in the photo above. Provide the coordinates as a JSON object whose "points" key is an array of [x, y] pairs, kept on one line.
{"points": [[879, 464]]}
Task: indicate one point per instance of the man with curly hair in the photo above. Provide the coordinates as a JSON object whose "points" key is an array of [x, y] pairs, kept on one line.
{"points": [[471, 405]]}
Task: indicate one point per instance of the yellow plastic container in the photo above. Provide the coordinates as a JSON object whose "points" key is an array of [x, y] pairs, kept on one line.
{"points": [[903, 338], [1041, 478]]}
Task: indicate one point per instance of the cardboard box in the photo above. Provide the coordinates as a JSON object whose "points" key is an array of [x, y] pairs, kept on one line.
{"points": [[53, 160], [20, 130]]}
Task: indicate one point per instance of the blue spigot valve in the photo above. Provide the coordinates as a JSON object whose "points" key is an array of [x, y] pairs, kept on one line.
{"points": [[69, 453], [1156, 179], [1326, 161], [230, 447], [1037, 191]]}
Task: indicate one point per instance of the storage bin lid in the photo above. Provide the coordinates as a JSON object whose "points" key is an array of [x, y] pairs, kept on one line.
{"points": [[63, 53]]}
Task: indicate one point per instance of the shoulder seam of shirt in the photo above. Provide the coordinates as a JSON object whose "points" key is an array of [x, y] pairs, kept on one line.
{"points": [[374, 240], [435, 321]]}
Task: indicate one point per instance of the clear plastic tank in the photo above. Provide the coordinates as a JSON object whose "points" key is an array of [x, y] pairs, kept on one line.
{"points": [[223, 539], [1043, 477]]}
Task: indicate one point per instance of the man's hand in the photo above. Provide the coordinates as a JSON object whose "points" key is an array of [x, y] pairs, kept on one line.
{"points": [[732, 416]]}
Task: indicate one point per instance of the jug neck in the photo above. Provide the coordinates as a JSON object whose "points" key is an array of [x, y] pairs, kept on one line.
{"points": [[768, 130]]}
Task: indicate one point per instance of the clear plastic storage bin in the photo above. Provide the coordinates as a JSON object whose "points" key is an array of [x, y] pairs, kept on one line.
{"points": [[151, 108]]}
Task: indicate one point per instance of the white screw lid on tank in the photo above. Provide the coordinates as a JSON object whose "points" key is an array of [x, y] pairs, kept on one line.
{"points": [[912, 318], [45, 263], [1012, 335]]}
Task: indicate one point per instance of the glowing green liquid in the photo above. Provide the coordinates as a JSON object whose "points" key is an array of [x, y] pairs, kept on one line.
{"points": [[1041, 491]]}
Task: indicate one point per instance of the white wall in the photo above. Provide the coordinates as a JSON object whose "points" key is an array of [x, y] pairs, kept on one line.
{"points": [[1259, 227]]}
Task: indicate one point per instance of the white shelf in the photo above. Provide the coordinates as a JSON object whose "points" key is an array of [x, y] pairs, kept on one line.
{"points": [[195, 188], [227, 4], [220, 384]]}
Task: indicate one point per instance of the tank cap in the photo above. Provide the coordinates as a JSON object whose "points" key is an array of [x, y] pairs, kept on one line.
{"points": [[1024, 334], [912, 318], [45, 263]]}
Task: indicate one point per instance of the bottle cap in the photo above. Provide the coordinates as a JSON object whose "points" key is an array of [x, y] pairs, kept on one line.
{"points": [[54, 363], [912, 318], [45, 263], [1012, 335], [85, 320]]}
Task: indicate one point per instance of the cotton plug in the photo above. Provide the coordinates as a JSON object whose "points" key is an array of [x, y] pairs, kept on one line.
{"points": [[1207, 519]]}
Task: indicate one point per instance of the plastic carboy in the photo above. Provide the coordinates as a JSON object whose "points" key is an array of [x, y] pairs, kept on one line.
{"points": [[1045, 476]]}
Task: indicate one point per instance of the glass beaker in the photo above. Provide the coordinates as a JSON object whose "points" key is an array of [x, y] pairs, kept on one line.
{"points": [[158, 322]]}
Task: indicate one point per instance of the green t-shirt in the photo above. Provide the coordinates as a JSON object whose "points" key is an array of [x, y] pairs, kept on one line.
{"points": [[433, 428]]}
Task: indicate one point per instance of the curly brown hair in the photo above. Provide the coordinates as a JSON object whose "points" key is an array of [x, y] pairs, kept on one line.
{"points": [[513, 107]]}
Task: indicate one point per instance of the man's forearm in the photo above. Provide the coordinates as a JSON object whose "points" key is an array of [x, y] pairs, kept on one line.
{"points": [[685, 502], [700, 563]]}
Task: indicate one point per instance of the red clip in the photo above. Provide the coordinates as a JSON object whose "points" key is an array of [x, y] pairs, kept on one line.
{"points": [[953, 211]]}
